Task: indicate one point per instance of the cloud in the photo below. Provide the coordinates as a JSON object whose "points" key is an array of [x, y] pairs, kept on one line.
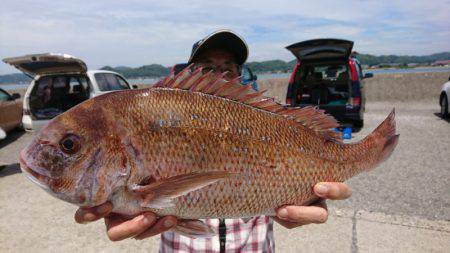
{"points": [[135, 33]]}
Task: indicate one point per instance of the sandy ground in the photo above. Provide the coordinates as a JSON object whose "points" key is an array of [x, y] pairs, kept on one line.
{"points": [[403, 205]]}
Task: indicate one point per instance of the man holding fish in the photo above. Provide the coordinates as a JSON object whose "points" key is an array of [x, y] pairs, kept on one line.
{"points": [[222, 52]]}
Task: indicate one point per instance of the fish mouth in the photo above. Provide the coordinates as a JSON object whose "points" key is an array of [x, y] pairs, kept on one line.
{"points": [[33, 175]]}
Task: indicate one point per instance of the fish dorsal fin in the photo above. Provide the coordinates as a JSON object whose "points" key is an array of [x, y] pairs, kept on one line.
{"points": [[215, 85]]}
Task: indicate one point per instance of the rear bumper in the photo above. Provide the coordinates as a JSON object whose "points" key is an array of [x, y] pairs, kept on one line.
{"points": [[343, 114], [27, 123], [30, 124]]}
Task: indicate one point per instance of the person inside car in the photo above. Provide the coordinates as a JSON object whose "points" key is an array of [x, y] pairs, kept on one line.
{"points": [[221, 51]]}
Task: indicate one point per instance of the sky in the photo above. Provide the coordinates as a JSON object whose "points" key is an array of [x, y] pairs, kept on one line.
{"points": [[135, 33]]}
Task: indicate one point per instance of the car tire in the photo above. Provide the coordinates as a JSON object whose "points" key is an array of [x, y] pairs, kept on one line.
{"points": [[358, 125], [444, 107]]}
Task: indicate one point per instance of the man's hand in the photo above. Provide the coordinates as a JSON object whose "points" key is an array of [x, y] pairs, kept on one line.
{"points": [[119, 227], [294, 216]]}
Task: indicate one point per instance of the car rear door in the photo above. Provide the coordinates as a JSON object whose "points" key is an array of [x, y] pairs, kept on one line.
{"points": [[317, 53], [321, 49], [47, 63]]}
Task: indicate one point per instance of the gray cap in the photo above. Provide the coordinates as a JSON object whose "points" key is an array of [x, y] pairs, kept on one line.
{"points": [[225, 40]]}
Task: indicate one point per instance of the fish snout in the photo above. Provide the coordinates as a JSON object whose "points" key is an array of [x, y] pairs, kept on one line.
{"points": [[42, 158]]}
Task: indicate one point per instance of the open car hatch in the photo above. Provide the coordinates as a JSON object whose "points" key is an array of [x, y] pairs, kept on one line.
{"points": [[321, 49], [48, 63]]}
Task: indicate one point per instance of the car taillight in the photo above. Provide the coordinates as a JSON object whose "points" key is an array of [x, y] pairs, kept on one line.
{"points": [[294, 72], [26, 112], [291, 84], [356, 101], [353, 73]]}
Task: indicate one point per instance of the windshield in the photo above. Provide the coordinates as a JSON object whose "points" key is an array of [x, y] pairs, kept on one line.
{"points": [[328, 72], [110, 81]]}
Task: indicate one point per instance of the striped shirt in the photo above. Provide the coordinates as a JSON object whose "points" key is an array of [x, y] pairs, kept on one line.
{"points": [[242, 235]]}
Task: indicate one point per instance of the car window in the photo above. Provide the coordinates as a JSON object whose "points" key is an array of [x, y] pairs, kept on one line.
{"points": [[113, 82], [78, 84], [122, 82], [246, 74], [109, 81], [101, 82], [42, 84], [4, 96], [59, 82], [84, 81], [74, 81], [328, 72]]}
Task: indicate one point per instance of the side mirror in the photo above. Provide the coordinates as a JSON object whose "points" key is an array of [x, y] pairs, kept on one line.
{"points": [[15, 96], [368, 75], [134, 86]]}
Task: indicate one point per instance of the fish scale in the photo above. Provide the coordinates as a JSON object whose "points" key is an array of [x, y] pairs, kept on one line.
{"points": [[268, 135], [211, 149]]}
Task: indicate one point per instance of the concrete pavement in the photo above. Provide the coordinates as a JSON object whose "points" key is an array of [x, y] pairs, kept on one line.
{"points": [[33, 221], [362, 231], [402, 206]]}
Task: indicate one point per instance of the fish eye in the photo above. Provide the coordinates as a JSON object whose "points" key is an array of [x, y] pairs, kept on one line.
{"points": [[70, 144]]}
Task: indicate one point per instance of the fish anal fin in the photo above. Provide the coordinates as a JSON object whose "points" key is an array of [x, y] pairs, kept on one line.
{"points": [[194, 229], [161, 194]]}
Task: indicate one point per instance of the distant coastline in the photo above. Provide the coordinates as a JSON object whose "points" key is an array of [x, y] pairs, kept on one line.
{"points": [[266, 76], [368, 61]]}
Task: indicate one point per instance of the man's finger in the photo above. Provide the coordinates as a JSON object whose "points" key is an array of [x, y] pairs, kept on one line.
{"points": [[303, 214], [162, 225], [84, 215], [332, 190], [118, 229], [287, 224]]}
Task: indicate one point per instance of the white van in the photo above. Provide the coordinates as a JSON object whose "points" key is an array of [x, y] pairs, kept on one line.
{"points": [[60, 81]]}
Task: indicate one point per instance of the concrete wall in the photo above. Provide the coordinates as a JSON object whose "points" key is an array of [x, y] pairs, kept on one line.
{"points": [[382, 87]]}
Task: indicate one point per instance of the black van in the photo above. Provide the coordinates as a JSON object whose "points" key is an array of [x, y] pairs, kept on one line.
{"points": [[327, 76]]}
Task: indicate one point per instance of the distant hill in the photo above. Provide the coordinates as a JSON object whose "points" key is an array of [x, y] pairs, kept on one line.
{"points": [[153, 70], [16, 78], [272, 66], [372, 60], [157, 70]]}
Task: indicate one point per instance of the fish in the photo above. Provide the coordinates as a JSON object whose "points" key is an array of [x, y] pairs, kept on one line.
{"points": [[196, 146]]}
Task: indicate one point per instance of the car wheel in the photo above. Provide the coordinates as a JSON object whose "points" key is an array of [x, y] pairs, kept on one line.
{"points": [[444, 107], [357, 125]]}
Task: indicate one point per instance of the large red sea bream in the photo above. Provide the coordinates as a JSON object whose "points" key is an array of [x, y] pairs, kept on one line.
{"points": [[196, 146]]}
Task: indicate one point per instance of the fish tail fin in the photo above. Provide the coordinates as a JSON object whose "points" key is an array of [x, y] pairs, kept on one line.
{"points": [[384, 138]]}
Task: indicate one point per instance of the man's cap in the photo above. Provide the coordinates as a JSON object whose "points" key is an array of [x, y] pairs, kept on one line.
{"points": [[225, 40]]}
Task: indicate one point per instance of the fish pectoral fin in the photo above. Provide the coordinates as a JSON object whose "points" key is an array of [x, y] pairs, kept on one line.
{"points": [[161, 194], [193, 229]]}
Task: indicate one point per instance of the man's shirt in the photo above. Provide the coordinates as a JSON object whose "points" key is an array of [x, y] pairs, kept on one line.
{"points": [[252, 235]]}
